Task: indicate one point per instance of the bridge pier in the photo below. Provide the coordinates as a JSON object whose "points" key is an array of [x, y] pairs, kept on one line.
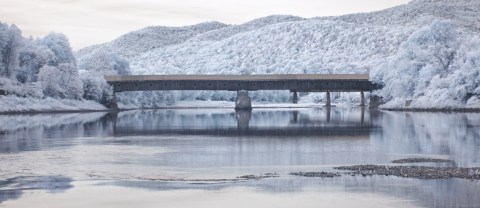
{"points": [[362, 99], [295, 97], [243, 102], [328, 102]]}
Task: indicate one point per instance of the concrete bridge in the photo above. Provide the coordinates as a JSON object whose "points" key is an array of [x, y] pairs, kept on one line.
{"points": [[244, 83]]}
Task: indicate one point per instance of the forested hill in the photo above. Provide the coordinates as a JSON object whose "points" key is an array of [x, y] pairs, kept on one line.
{"points": [[426, 50]]}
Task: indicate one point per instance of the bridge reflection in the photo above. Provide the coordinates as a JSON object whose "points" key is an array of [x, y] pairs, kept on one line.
{"points": [[286, 123]]}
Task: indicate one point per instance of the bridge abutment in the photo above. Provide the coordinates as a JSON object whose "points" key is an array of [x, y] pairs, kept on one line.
{"points": [[243, 101], [375, 101]]}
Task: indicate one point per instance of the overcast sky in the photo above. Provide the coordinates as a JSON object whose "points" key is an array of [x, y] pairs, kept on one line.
{"points": [[88, 22]]}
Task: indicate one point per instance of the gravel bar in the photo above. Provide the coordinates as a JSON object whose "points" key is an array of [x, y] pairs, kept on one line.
{"points": [[420, 172], [421, 160], [316, 174]]}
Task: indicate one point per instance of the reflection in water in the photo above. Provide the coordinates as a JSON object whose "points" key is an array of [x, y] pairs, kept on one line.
{"points": [[455, 135], [45, 131], [427, 193], [140, 149], [244, 123], [243, 119], [13, 188], [328, 112]]}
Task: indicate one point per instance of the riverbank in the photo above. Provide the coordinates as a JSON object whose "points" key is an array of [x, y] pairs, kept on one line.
{"points": [[434, 110], [18, 105]]}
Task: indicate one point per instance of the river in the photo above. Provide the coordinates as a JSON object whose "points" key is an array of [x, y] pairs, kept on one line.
{"points": [[222, 158]]}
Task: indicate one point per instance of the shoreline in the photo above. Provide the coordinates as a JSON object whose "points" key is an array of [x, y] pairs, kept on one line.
{"points": [[434, 110], [428, 110], [33, 112], [129, 109]]}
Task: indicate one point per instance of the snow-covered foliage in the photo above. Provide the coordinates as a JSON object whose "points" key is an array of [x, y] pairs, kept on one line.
{"points": [[30, 89], [62, 81], [424, 50], [134, 43], [59, 45], [104, 63], [10, 42], [437, 65], [96, 88], [93, 67], [38, 70], [12, 103], [33, 56], [427, 51]]}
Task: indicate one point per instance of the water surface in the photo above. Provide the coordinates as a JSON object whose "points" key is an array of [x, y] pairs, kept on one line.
{"points": [[192, 158]]}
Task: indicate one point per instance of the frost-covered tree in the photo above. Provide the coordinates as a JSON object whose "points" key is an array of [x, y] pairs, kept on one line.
{"points": [[96, 88], [50, 80], [462, 86], [10, 42], [94, 67], [3, 44], [49, 60], [60, 46], [61, 82], [58, 75], [32, 57], [427, 53], [437, 43], [71, 81], [105, 63]]}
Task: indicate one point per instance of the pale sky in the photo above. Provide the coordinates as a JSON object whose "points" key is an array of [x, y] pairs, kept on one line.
{"points": [[88, 22]]}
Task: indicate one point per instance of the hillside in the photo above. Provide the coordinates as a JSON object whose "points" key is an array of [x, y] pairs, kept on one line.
{"points": [[419, 51], [149, 38]]}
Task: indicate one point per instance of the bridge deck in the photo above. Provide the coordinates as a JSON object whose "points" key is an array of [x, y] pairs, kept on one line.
{"points": [[292, 82]]}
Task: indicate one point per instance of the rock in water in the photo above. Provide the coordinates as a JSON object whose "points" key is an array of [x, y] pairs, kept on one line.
{"points": [[243, 102]]}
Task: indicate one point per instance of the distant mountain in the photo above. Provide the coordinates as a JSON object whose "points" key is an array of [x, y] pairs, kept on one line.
{"points": [[149, 38], [424, 39], [283, 44], [420, 13]]}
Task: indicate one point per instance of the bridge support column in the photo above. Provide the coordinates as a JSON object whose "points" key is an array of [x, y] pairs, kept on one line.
{"points": [[328, 102], [362, 99], [295, 97], [243, 102]]}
